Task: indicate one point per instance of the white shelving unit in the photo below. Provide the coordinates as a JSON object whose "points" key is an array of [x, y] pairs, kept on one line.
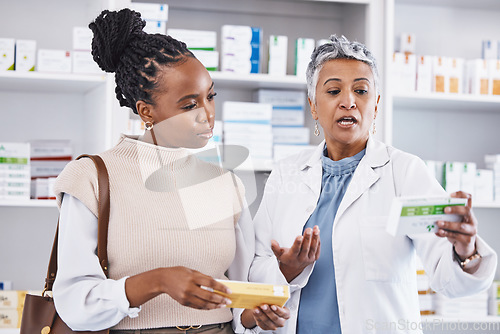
{"points": [[446, 127], [83, 108]]}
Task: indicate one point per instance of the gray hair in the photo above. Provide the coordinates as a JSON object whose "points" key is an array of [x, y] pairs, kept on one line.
{"points": [[337, 48]]}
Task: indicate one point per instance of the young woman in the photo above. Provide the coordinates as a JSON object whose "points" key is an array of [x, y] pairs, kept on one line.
{"points": [[363, 279], [176, 223]]}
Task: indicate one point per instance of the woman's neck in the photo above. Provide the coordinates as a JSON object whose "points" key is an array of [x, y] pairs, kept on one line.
{"points": [[338, 151]]}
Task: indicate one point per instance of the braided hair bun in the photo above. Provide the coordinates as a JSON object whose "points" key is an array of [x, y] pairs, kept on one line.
{"points": [[113, 32], [119, 45]]}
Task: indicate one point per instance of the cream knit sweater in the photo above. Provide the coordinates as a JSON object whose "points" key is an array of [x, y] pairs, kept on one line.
{"points": [[168, 208]]}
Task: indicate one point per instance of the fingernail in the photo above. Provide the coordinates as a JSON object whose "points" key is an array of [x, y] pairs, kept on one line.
{"points": [[221, 306], [440, 223], [447, 209], [256, 311], [228, 291], [264, 307], [228, 301], [274, 308]]}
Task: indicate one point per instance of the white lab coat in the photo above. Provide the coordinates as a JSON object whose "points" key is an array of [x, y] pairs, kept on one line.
{"points": [[375, 272]]}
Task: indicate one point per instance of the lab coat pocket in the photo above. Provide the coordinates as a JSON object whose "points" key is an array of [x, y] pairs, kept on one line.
{"points": [[386, 258]]}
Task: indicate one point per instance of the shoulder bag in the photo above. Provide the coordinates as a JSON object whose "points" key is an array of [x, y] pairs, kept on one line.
{"points": [[39, 313]]}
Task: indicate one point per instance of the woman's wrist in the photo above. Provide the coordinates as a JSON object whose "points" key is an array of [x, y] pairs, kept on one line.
{"points": [[247, 319]]}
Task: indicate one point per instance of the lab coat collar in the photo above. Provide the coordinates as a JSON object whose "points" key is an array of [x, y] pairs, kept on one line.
{"points": [[376, 154]]}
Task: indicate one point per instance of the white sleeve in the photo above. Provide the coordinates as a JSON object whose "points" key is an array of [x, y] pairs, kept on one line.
{"points": [[84, 298]]}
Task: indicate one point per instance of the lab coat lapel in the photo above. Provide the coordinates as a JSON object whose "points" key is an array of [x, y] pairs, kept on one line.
{"points": [[365, 175], [311, 171]]}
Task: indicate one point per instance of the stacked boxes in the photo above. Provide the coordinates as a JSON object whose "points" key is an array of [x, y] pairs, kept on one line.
{"points": [[11, 307], [82, 60], [493, 163], [425, 294], [288, 105], [289, 134], [48, 159], [241, 49], [155, 15], [14, 171], [202, 43], [249, 124], [304, 47]]}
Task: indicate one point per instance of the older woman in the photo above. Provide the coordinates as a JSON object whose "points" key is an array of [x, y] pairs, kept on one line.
{"points": [[363, 279]]}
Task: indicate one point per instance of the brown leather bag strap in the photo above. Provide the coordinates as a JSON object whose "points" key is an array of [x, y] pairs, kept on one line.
{"points": [[102, 219]]}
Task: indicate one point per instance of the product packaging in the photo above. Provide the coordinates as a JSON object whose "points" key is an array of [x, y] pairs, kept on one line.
{"points": [[54, 61], [489, 49], [278, 48], [241, 49], [409, 215], [250, 295], [195, 39], [291, 135], [478, 78], [25, 55], [83, 63], [151, 11], [7, 54], [483, 185], [452, 176], [441, 75], [304, 47], [468, 178], [407, 43], [14, 171], [424, 74], [82, 38], [155, 27], [247, 112], [409, 73], [456, 75], [209, 59], [281, 151], [495, 76], [288, 105]]}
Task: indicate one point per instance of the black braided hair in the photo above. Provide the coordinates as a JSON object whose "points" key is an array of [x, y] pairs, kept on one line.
{"points": [[119, 45]]}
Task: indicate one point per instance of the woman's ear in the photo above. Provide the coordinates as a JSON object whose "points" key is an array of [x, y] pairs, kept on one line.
{"points": [[144, 111], [313, 109]]}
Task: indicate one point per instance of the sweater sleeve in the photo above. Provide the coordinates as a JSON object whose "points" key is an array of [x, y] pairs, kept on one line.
{"points": [[84, 298]]}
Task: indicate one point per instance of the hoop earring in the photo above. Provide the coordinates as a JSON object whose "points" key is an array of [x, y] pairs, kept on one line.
{"points": [[316, 129], [374, 130], [148, 125]]}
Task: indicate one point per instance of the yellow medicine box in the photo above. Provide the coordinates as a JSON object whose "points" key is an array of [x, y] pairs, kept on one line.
{"points": [[250, 295]]}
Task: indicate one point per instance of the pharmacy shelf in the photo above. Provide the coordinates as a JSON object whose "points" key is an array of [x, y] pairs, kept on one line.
{"points": [[33, 203], [477, 4], [441, 319], [256, 80], [49, 82], [447, 101], [486, 205]]}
